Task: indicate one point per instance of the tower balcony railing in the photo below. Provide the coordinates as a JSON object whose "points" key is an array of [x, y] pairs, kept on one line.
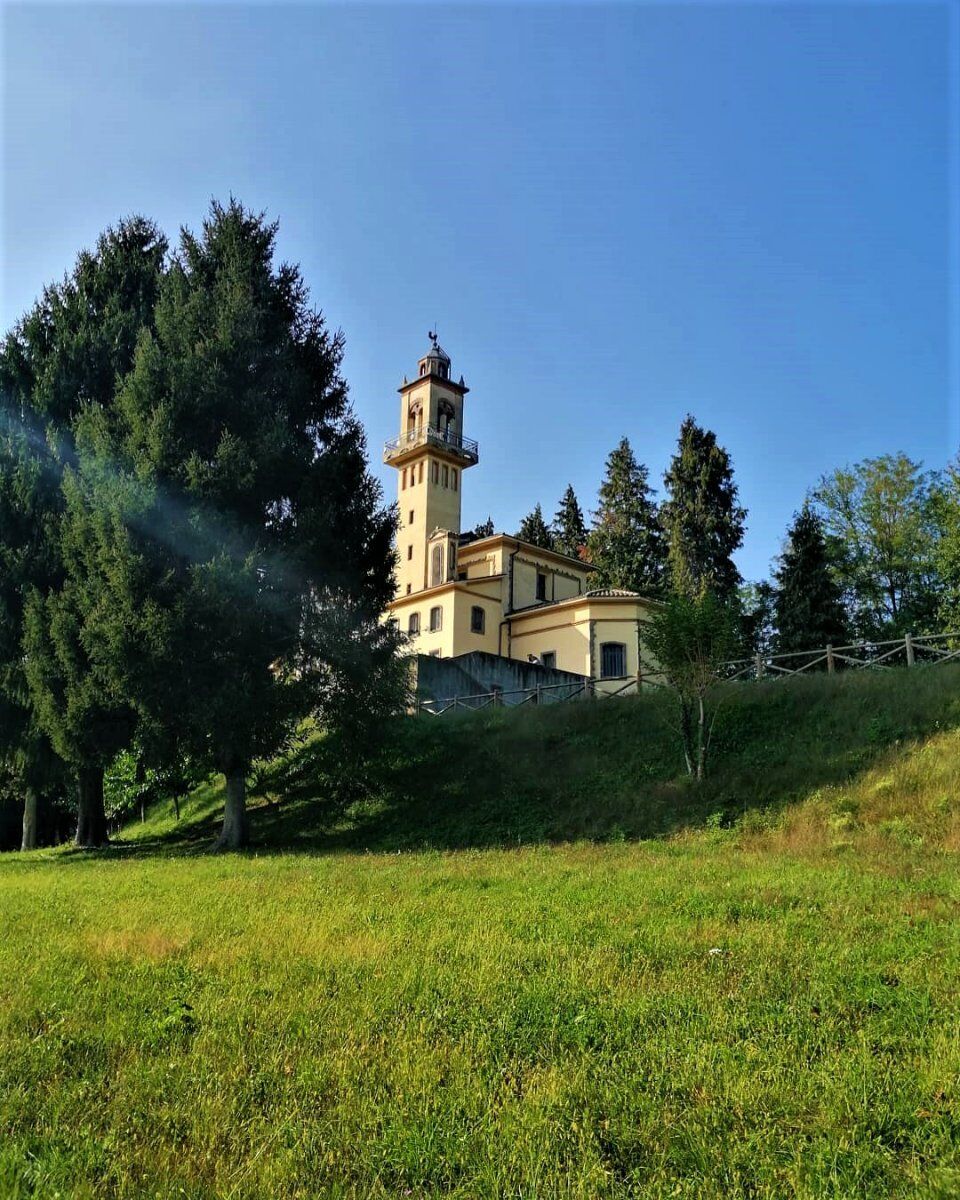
{"points": [[430, 435]]}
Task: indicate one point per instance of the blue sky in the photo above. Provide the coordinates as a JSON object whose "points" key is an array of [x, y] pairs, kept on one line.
{"points": [[615, 214]]}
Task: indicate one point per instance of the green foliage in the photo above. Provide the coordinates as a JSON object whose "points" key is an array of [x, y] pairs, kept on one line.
{"points": [[534, 529], [702, 515], [485, 529], [569, 530], [689, 637], [66, 355], [880, 520], [626, 542], [946, 513], [236, 550], [756, 603], [809, 606]]}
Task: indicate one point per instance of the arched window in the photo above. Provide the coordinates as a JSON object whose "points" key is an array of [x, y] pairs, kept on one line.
{"points": [[613, 660], [478, 619], [436, 566], [436, 618], [413, 624]]}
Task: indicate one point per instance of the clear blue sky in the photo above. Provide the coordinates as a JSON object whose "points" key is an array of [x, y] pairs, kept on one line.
{"points": [[616, 215]]}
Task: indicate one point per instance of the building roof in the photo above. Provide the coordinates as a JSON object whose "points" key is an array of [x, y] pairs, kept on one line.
{"points": [[607, 593]]}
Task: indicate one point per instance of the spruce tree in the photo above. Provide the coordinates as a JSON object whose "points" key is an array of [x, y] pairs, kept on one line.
{"points": [[240, 558], [569, 529], [702, 515], [809, 607], [534, 529], [65, 356], [626, 544], [484, 529]]}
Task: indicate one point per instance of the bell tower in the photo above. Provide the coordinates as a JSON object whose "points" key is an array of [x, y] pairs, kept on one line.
{"points": [[430, 456]]}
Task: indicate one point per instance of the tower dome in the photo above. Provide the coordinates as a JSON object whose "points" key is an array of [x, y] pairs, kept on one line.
{"points": [[436, 361]]}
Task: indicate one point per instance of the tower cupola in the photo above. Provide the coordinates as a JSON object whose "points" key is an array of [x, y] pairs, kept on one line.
{"points": [[436, 361]]}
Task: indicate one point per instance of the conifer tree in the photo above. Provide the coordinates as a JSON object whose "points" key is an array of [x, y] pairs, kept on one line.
{"points": [[569, 529], [626, 544], [534, 529], [485, 528], [240, 559], [702, 516], [808, 605], [66, 355]]}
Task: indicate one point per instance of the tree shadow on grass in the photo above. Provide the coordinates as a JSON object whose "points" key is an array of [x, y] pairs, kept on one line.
{"points": [[596, 770]]}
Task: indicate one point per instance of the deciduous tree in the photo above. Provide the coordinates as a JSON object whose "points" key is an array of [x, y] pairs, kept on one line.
{"points": [[690, 637], [880, 519]]}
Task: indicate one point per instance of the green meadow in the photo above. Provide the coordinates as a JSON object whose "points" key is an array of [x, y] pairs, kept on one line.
{"points": [[522, 957]]}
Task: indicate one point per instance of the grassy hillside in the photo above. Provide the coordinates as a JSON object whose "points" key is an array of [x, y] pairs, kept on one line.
{"points": [[760, 1001], [853, 752]]}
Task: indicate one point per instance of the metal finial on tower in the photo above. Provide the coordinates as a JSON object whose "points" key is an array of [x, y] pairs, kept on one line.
{"points": [[433, 335]]}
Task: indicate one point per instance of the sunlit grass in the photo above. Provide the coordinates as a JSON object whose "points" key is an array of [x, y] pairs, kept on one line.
{"points": [[761, 1002]]}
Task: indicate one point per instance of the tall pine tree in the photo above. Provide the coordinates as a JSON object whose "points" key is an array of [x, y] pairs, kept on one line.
{"points": [[65, 356], [702, 516], [534, 529], [240, 559], [808, 606], [569, 529], [626, 544]]}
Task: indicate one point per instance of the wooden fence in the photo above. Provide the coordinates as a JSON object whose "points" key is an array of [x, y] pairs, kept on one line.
{"points": [[908, 651]]}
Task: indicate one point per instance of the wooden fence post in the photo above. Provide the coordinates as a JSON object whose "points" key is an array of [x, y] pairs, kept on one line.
{"points": [[908, 642], [536, 698], [759, 666], [830, 659]]}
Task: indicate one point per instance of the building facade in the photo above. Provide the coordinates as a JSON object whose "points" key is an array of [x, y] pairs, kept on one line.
{"points": [[458, 593]]}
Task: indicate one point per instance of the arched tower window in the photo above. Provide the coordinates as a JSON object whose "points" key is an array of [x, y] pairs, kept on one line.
{"points": [[436, 566], [446, 415]]}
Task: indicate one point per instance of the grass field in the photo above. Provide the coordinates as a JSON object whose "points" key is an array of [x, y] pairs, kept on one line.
{"points": [[530, 961]]}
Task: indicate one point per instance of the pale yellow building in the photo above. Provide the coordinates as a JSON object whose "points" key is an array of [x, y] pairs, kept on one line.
{"points": [[457, 593]]}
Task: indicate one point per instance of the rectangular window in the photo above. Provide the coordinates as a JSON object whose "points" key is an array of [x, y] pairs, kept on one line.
{"points": [[411, 516], [420, 474], [403, 479], [409, 588], [453, 478], [541, 586], [549, 659], [446, 476], [435, 472], [613, 660], [436, 618], [413, 624], [478, 619], [409, 553]]}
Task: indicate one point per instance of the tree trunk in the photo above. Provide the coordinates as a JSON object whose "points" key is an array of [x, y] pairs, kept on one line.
{"points": [[686, 734], [91, 819], [701, 739], [31, 806], [235, 832]]}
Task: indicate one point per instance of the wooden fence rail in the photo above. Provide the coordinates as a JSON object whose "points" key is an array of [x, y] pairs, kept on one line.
{"points": [[908, 651]]}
